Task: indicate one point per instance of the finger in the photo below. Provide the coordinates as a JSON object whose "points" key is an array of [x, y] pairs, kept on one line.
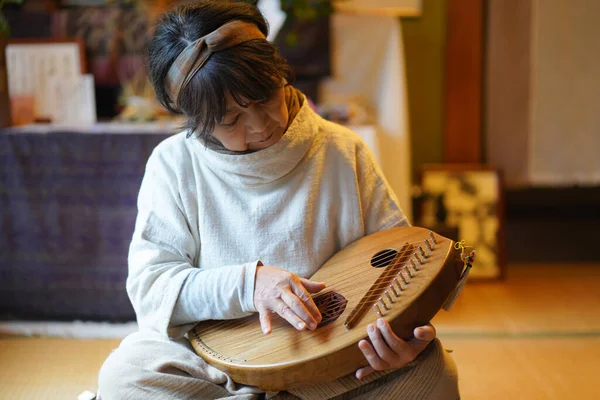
{"points": [[312, 286], [425, 333], [297, 306], [372, 356], [423, 336], [307, 300], [264, 317], [362, 372], [381, 347], [396, 344], [288, 314]]}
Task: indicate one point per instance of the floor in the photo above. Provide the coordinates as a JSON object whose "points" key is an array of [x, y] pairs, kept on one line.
{"points": [[535, 335]]}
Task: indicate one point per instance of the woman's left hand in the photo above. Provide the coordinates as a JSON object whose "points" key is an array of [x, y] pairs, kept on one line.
{"points": [[388, 350]]}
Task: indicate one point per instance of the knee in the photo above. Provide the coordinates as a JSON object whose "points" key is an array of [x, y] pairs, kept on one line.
{"points": [[447, 383], [116, 377], [450, 369]]}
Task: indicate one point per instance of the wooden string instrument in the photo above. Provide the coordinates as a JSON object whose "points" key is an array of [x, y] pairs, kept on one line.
{"points": [[403, 274]]}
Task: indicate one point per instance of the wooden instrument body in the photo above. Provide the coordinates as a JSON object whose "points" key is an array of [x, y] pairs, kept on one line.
{"points": [[287, 358]]}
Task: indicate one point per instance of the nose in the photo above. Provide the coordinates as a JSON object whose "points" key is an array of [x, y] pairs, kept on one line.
{"points": [[257, 121]]}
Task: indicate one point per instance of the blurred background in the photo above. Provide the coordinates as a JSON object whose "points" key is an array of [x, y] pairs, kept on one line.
{"points": [[483, 115]]}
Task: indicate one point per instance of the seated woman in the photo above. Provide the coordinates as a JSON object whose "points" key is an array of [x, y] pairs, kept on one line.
{"points": [[237, 211]]}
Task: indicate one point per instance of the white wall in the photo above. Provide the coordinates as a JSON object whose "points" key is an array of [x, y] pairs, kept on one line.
{"points": [[565, 131]]}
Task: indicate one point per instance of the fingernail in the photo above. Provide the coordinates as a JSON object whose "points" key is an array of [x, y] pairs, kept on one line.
{"points": [[301, 325], [371, 328], [312, 325], [419, 332], [380, 323]]}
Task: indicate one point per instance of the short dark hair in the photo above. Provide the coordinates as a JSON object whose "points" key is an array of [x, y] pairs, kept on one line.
{"points": [[250, 71]]}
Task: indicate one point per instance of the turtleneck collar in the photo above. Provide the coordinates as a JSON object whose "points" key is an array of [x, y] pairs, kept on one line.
{"points": [[266, 165]]}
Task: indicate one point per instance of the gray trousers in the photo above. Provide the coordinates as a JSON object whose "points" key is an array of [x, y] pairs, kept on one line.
{"points": [[149, 366]]}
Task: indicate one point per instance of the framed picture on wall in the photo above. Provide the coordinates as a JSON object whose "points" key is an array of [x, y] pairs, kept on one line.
{"points": [[467, 200], [47, 79]]}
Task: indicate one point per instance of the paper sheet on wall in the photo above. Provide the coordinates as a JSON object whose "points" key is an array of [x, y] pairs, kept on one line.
{"points": [[73, 100], [32, 67]]}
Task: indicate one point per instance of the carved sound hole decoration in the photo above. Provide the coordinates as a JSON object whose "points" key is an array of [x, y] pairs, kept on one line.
{"points": [[383, 258], [331, 305]]}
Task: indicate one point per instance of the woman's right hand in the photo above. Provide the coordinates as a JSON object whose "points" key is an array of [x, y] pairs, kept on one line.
{"points": [[281, 292]]}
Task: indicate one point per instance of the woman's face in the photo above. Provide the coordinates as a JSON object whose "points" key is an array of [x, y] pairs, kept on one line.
{"points": [[255, 127]]}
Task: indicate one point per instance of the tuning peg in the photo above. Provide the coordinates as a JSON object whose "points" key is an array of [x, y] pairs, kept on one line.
{"points": [[383, 304], [432, 236], [377, 310], [398, 283], [388, 296], [418, 258], [428, 244], [414, 265]]}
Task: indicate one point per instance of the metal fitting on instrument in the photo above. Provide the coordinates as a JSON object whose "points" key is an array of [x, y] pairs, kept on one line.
{"points": [[398, 283], [432, 236], [414, 265], [383, 304], [404, 278], [418, 258], [377, 310], [428, 245], [388, 296]]}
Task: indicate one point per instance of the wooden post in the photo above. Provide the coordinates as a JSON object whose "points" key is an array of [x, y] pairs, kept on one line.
{"points": [[4, 98], [464, 79]]}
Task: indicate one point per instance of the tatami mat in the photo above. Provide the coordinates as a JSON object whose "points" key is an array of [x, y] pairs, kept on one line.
{"points": [[534, 336], [527, 369], [534, 299], [40, 368]]}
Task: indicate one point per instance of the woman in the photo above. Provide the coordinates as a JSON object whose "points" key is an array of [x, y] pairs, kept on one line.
{"points": [[237, 211]]}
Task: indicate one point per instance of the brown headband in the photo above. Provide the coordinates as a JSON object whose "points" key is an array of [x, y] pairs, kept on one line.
{"points": [[194, 56]]}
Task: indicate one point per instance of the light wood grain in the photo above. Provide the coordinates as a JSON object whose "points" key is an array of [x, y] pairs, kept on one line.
{"points": [[496, 331], [287, 358]]}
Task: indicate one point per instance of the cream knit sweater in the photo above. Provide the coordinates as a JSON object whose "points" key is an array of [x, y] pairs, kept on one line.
{"points": [[205, 219]]}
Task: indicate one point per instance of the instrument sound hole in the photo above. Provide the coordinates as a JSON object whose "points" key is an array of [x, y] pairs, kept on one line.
{"points": [[331, 305], [383, 258]]}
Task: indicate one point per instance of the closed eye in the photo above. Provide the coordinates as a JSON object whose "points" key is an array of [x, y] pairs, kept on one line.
{"points": [[232, 123]]}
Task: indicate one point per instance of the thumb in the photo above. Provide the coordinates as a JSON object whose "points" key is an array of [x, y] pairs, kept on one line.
{"points": [[423, 336], [424, 333], [312, 286]]}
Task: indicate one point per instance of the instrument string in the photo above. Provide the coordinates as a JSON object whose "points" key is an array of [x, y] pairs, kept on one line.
{"points": [[349, 280], [345, 285], [348, 284], [350, 290]]}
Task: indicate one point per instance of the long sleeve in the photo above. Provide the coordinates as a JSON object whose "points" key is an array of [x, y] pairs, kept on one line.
{"points": [[379, 204], [167, 292]]}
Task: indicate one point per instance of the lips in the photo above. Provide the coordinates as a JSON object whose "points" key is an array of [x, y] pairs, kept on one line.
{"points": [[266, 139], [269, 136]]}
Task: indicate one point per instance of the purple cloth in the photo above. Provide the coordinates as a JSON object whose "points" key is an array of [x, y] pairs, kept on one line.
{"points": [[68, 208]]}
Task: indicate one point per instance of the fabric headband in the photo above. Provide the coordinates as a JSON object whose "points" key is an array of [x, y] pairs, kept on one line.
{"points": [[194, 56]]}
